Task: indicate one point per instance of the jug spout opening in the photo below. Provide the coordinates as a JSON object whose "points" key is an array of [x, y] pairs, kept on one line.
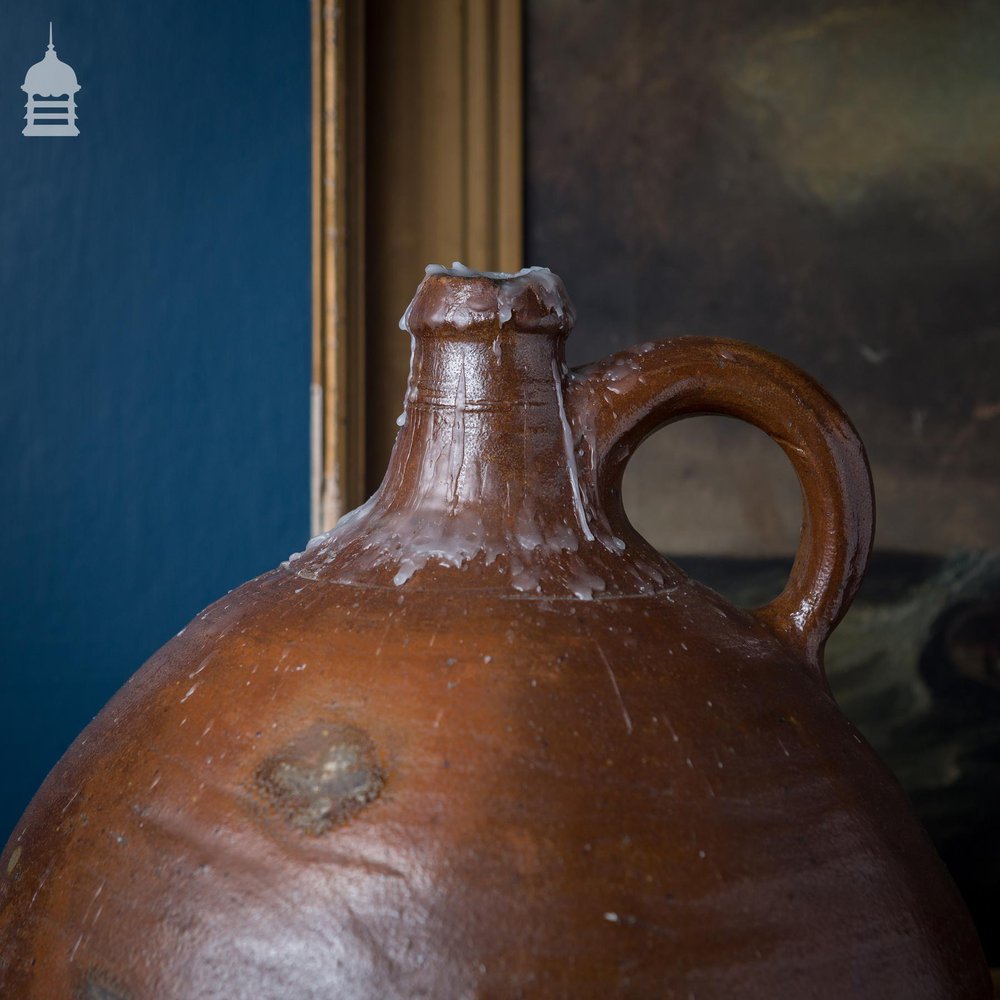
{"points": [[458, 301]]}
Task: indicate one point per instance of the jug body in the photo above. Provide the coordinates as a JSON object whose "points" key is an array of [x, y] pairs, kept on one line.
{"points": [[482, 740]]}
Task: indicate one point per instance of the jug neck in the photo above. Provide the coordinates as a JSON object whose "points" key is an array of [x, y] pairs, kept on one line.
{"points": [[485, 486], [484, 426]]}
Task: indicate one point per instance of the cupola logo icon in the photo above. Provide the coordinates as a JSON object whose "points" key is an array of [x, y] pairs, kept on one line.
{"points": [[51, 87]]}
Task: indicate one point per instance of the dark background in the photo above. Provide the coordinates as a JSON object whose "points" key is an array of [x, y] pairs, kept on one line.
{"points": [[821, 178], [154, 346]]}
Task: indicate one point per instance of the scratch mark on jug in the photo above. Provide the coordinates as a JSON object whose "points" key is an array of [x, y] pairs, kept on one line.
{"points": [[618, 694], [381, 642], [456, 452], [201, 666], [86, 917]]}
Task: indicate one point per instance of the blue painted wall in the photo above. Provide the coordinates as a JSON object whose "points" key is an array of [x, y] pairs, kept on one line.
{"points": [[154, 344]]}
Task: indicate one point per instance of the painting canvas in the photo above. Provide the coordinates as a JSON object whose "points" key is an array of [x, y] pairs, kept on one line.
{"points": [[822, 179]]}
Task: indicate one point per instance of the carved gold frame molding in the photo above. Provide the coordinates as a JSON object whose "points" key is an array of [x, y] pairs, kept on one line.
{"points": [[417, 157]]}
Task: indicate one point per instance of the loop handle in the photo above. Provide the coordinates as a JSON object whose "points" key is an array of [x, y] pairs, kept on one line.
{"points": [[623, 399]]}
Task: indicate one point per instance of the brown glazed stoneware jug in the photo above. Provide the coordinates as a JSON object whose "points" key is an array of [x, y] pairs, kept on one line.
{"points": [[482, 740]]}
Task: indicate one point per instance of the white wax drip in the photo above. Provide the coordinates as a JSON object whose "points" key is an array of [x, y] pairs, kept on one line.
{"points": [[546, 285]]}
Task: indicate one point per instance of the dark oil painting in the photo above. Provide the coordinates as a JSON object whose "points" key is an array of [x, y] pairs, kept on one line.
{"points": [[823, 179]]}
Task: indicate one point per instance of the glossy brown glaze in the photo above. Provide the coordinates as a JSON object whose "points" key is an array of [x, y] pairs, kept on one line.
{"points": [[481, 740]]}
